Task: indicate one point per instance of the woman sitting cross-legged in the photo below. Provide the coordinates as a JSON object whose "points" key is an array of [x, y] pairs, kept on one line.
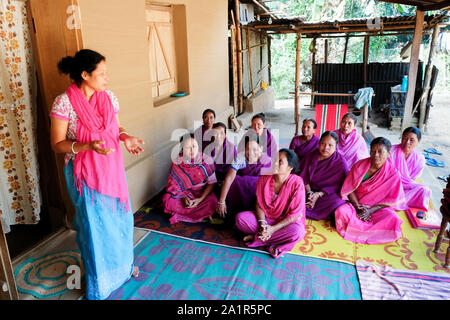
{"points": [[279, 220], [410, 164], [351, 144], [307, 141], [374, 189], [189, 187], [323, 172], [238, 191]]}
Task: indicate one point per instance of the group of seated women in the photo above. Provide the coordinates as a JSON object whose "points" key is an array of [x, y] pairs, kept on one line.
{"points": [[268, 195]]}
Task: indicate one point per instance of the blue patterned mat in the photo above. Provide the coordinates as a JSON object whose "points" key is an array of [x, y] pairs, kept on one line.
{"points": [[176, 268]]}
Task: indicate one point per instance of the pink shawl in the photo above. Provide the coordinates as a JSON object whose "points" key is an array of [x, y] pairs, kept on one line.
{"points": [[289, 202], [352, 147], [410, 168], [382, 188], [96, 121]]}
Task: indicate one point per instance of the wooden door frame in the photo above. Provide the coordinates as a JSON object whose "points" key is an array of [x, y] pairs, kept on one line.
{"points": [[6, 270]]}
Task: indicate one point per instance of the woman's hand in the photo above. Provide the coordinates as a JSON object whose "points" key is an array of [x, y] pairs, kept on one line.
{"points": [[221, 209], [95, 145], [187, 202], [364, 212], [266, 232], [312, 198], [132, 144]]}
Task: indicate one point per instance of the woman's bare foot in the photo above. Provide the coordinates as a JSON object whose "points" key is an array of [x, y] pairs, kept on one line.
{"points": [[249, 238], [135, 272]]}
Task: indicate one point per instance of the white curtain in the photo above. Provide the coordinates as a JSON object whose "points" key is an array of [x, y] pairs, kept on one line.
{"points": [[20, 197]]}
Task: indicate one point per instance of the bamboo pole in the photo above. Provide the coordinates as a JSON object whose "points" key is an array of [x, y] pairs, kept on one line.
{"points": [[239, 55], [325, 51], [429, 69], [297, 84], [235, 70], [250, 61], [413, 66], [313, 70], [345, 48]]}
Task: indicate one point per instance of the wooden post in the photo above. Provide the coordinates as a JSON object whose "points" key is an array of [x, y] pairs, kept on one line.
{"points": [[313, 71], [325, 51], [297, 84], [235, 70], [345, 49], [413, 66], [6, 271], [250, 60], [426, 85], [269, 57], [366, 57], [239, 55], [365, 118]]}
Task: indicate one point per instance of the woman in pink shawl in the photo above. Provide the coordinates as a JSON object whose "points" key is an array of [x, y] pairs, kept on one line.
{"points": [[85, 126], [323, 172], [373, 187], [410, 164], [351, 144], [307, 141], [279, 220], [189, 195]]}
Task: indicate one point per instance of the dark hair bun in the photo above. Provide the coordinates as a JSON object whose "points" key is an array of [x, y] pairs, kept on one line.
{"points": [[66, 65]]}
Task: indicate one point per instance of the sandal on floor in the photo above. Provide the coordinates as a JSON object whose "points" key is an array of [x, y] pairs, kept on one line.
{"points": [[444, 178], [434, 163], [426, 155], [433, 151]]}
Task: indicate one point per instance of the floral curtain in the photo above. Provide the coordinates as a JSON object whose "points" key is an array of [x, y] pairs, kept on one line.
{"points": [[20, 198]]}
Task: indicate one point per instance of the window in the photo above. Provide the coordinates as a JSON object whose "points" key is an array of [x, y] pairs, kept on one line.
{"points": [[166, 35]]}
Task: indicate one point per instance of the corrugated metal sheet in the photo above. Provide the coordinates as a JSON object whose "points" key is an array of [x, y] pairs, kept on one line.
{"points": [[348, 78]]}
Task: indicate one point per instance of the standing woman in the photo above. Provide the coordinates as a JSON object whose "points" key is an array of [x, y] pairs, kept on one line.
{"points": [[204, 133], [351, 144], [264, 136], [410, 164], [85, 126], [307, 141]]}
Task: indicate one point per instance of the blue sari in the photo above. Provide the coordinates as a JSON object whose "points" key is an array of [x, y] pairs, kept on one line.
{"points": [[105, 239]]}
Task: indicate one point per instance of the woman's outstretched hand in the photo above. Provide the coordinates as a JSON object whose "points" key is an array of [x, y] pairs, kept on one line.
{"points": [[95, 145], [132, 145]]}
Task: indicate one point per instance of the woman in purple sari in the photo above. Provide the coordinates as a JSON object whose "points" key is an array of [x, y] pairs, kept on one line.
{"points": [[258, 129], [221, 150], [307, 141], [410, 163], [323, 171], [238, 192], [351, 144], [204, 134]]}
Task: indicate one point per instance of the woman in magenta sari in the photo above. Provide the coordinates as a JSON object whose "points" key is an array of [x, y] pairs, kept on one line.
{"points": [[351, 144], [306, 142], [258, 129], [222, 151], [323, 172], [203, 134], [191, 179], [410, 164], [238, 192], [374, 188], [279, 220]]}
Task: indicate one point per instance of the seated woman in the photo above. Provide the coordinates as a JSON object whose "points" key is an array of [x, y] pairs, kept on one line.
{"points": [[238, 192], [203, 134], [265, 137], [191, 179], [221, 150], [323, 171], [351, 144], [279, 220], [374, 189], [307, 141], [410, 164]]}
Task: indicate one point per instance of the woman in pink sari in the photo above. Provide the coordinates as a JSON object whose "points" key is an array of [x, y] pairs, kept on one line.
{"points": [[373, 187], [351, 144], [189, 187], [279, 220], [410, 164]]}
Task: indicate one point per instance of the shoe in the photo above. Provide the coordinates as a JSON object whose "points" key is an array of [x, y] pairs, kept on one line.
{"points": [[444, 178], [426, 155], [433, 151], [434, 163]]}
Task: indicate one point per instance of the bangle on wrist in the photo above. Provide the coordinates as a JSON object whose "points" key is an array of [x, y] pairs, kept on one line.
{"points": [[123, 132], [262, 221], [73, 151], [220, 202]]}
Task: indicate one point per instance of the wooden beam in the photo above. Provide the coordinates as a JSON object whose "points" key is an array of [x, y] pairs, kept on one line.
{"points": [[325, 51], [239, 55], [345, 48], [413, 66], [426, 85], [297, 84], [444, 5], [6, 270]]}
